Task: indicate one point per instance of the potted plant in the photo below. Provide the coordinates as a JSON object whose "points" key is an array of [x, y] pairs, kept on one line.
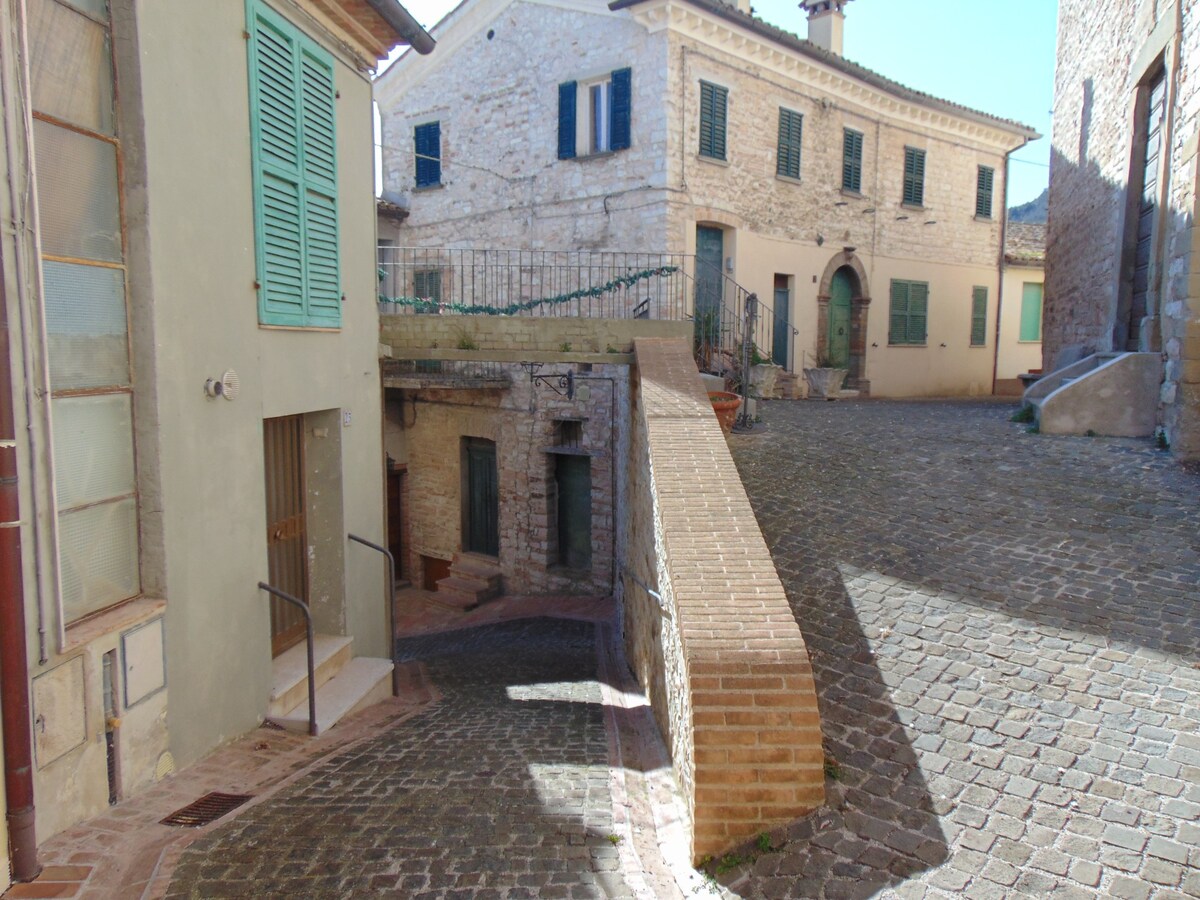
{"points": [[824, 381], [725, 404]]}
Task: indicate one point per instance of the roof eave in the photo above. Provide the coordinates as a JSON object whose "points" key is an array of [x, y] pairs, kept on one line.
{"points": [[853, 70]]}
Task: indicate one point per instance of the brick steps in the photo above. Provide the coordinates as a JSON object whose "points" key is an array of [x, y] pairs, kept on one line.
{"points": [[473, 580]]}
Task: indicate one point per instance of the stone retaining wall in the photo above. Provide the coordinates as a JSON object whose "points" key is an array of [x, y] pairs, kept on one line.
{"points": [[411, 336], [721, 656]]}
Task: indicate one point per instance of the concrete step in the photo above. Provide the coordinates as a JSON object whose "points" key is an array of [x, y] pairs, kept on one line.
{"points": [[289, 670], [360, 683]]}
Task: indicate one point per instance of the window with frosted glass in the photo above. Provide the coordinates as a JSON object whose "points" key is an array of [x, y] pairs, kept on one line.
{"points": [[77, 159]]}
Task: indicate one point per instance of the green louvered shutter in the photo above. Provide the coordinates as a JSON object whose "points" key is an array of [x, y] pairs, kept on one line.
{"points": [[979, 302], [852, 148], [898, 314], [914, 176], [295, 174], [983, 192], [323, 280], [787, 156], [713, 113], [620, 109], [566, 120], [918, 311]]}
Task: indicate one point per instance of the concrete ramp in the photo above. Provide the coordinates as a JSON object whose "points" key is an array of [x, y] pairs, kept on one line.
{"points": [[1113, 394]]}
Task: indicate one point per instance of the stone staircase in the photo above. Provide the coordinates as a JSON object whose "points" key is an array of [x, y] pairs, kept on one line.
{"points": [[345, 683], [473, 580], [788, 386]]}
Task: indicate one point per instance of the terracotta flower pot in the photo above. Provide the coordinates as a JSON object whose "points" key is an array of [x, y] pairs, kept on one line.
{"points": [[725, 405]]}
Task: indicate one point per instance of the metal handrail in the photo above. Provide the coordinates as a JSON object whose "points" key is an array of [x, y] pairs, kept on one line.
{"points": [[391, 606], [308, 627]]}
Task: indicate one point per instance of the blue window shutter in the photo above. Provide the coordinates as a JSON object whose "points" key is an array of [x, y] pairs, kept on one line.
{"points": [[427, 142], [619, 109], [295, 174], [566, 120]]}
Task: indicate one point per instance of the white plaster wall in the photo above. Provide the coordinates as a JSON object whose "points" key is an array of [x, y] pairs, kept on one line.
{"points": [[1016, 356]]}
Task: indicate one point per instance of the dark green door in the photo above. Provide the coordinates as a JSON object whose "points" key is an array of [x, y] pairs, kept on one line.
{"points": [[779, 338], [574, 477], [839, 320], [483, 498], [710, 253]]}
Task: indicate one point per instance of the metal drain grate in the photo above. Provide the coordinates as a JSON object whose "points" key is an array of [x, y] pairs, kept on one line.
{"points": [[207, 809]]}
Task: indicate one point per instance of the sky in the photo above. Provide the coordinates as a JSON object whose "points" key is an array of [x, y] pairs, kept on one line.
{"points": [[994, 57]]}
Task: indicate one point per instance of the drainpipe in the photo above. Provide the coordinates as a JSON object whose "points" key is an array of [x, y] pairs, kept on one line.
{"points": [[1000, 269], [14, 664]]}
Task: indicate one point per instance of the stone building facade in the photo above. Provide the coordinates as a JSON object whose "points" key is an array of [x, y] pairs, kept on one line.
{"points": [[815, 183], [1122, 271]]}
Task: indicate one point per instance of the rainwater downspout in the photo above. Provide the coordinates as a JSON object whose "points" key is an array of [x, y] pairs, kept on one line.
{"points": [[22, 202], [15, 712], [1000, 270]]}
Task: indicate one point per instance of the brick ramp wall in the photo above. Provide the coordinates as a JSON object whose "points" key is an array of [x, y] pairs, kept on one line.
{"points": [[725, 664]]}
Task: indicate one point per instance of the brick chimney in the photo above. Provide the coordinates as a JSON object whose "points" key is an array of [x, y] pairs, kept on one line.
{"points": [[826, 22]]}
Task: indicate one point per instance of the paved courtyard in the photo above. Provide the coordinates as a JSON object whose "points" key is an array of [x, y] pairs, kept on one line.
{"points": [[1004, 629], [501, 789]]}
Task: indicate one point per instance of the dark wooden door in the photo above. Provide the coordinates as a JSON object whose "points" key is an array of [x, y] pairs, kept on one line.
{"points": [[840, 291], [283, 450], [782, 332], [710, 253], [573, 475], [1147, 209], [395, 520], [483, 499]]}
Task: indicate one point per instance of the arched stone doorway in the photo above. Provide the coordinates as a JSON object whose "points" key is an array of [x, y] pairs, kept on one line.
{"points": [[843, 301]]}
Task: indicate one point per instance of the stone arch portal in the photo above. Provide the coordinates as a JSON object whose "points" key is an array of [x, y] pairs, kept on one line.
{"points": [[852, 271]]}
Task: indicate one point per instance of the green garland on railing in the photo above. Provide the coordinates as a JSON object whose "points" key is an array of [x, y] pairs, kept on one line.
{"points": [[434, 306]]}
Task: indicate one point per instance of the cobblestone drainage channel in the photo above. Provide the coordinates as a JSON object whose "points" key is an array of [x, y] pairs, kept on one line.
{"points": [[207, 809]]}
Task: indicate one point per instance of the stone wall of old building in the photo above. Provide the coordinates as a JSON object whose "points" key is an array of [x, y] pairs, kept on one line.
{"points": [[495, 94], [746, 189], [426, 429], [1107, 51]]}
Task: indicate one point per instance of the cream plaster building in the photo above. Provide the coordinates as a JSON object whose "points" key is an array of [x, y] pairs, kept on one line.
{"points": [[867, 217], [1021, 302], [1123, 274], [190, 355]]}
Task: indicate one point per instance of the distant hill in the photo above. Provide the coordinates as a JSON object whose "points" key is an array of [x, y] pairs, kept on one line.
{"points": [[1033, 212]]}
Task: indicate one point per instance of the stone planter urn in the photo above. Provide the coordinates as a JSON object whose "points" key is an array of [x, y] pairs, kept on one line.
{"points": [[725, 405], [824, 383], [763, 380]]}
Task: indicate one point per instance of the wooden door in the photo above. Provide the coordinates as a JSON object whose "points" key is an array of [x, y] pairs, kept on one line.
{"points": [[483, 499], [287, 536], [1147, 210], [782, 331], [710, 253], [840, 292], [573, 477], [395, 520]]}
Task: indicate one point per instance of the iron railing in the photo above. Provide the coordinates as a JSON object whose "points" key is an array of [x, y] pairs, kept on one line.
{"points": [[589, 284], [390, 601], [308, 637]]}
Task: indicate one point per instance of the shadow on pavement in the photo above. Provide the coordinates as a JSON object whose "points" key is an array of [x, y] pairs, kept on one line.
{"points": [[501, 789]]}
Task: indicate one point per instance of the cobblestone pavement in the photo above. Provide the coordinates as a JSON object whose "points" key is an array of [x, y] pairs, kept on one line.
{"points": [[501, 789], [1004, 630]]}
